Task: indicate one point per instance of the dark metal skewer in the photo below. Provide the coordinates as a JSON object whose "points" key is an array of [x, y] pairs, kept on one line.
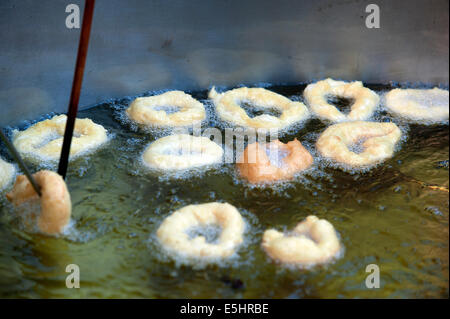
{"points": [[18, 159], [76, 86]]}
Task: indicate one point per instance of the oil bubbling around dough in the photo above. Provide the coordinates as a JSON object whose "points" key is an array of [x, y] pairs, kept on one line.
{"points": [[252, 235], [357, 148], [216, 121], [417, 105], [120, 106], [279, 186]]}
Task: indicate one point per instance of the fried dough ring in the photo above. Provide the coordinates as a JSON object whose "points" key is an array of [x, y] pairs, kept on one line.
{"points": [[55, 204], [256, 166], [172, 233], [313, 241], [182, 151], [377, 139], [143, 110], [7, 172], [430, 106], [33, 142], [229, 110], [365, 100]]}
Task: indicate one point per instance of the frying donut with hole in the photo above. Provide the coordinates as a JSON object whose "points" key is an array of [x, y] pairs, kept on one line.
{"points": [[229, 110], [182, 151], [43, 141], [144, 110], [377, 140], [173, 236], [366, 101]]}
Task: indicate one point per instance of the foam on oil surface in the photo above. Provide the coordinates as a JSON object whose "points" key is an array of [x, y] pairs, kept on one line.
{"points": [[127, 226]]}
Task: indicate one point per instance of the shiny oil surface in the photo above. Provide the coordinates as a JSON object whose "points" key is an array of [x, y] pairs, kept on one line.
{"points": [[391, 216]]}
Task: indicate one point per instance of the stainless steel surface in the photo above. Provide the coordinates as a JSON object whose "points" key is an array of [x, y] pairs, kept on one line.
{"points": [[138, 45]]}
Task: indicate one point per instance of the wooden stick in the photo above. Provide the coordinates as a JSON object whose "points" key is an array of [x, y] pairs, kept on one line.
{"points": [[18, 159], [76, 86]]}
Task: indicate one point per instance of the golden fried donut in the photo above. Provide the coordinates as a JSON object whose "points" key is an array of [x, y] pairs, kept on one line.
{"points": [[258, 165], [229, 110], [144, 110], [55, 205], [7, 172], [365, 100], [173, 232], [43, 141], [375, 140], [419, 105], [313, 241], [182, 151]]}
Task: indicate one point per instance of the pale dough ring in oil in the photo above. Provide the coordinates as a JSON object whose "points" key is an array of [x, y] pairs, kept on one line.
{"points": [[55, 206], [149, 111], [43, 141], [7, 172], [313, 241], [173, 232], [274, 161], [423, 106], [365, 100], [376, 141], [182, 151], [229, 110]]}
